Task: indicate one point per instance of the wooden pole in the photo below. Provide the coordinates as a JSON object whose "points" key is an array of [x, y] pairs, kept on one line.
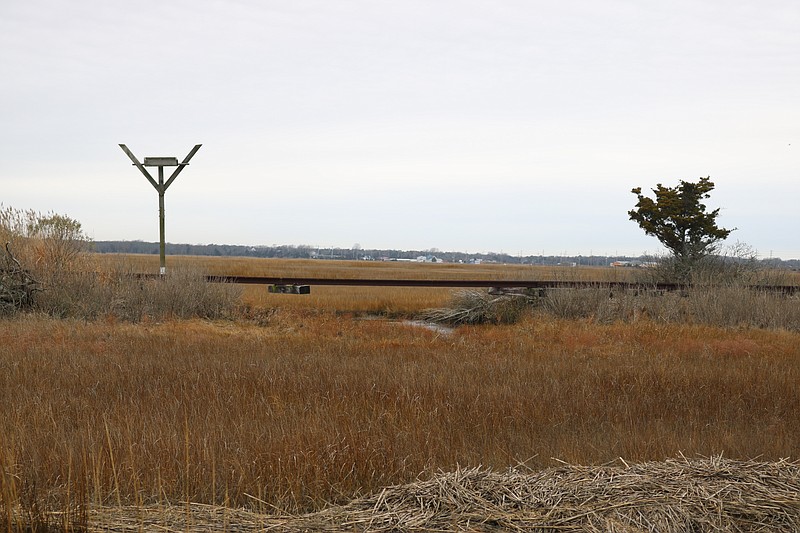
{"points": [[162, 246], [161, 188]]}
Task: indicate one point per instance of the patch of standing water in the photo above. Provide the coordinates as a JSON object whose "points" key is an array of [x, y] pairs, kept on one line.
{"points": [[432, 326], [438, 328]]}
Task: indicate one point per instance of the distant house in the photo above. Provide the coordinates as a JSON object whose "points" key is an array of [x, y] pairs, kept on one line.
{"points": [[634, 264], [428, 259]]}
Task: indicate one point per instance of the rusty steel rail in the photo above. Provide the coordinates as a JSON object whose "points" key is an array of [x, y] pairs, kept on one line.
{"points": [[472, 283], [433, 283]]}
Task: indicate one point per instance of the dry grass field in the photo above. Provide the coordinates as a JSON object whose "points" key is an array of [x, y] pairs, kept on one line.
{"points": [[244, 266], [379, 300], [305, 403]]}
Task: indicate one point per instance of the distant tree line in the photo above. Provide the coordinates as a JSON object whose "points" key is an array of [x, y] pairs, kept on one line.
{"points": [[312, 252], [358, 253]]}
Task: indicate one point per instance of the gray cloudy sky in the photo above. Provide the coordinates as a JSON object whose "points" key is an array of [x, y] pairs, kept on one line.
{"points": [[516, 126]]}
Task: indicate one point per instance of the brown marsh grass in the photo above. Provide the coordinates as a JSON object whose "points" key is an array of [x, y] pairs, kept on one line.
{"points": [[298, 403], [381, 301], [247, 266], [314, 408], [387, 301]]}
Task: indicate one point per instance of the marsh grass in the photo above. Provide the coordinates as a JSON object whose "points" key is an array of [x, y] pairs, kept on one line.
{"points": [[722, 306], [729, 305], [182, 293], [71, 283], [390, 302], [314, 409], [339, 269], [295, 405]]}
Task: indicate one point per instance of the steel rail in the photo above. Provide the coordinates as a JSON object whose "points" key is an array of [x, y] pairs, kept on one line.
{"points": [[434, 283], [473, 283]]}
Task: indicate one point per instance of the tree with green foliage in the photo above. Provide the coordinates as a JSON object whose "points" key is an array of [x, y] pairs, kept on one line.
{"points": [[679, 219]]}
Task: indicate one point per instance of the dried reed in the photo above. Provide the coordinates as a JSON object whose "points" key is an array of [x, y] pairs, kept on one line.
{"points": [[478, 307], [678, 495]]}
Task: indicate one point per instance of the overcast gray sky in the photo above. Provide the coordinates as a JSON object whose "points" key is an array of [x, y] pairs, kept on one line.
{"points": [[516, 126]]}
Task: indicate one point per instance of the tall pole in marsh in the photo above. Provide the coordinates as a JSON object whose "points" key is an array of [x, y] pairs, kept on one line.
{"points": [[162, 247], [161, 188]]}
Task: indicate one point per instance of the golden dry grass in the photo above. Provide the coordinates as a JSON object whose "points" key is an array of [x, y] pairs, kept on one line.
{"points": [[244, 266], [314, 409], [306, 405], [390, 301]]}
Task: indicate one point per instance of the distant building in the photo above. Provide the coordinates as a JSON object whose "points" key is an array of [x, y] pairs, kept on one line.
{"points": [[634, 264]]}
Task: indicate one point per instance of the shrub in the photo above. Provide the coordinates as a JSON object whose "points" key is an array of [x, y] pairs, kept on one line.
{"points": [[182, 293], [53, 250], [729, 305]]}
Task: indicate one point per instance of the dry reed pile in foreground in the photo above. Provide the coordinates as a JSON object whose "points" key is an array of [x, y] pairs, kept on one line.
{"points": [[677, 495]]}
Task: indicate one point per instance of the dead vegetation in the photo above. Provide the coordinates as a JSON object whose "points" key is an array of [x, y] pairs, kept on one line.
{"points": [[730, 290], [730, 305], [17, 285], [479, 307], [107, 423], [308, 411], [52, 271], [678, 495]]}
